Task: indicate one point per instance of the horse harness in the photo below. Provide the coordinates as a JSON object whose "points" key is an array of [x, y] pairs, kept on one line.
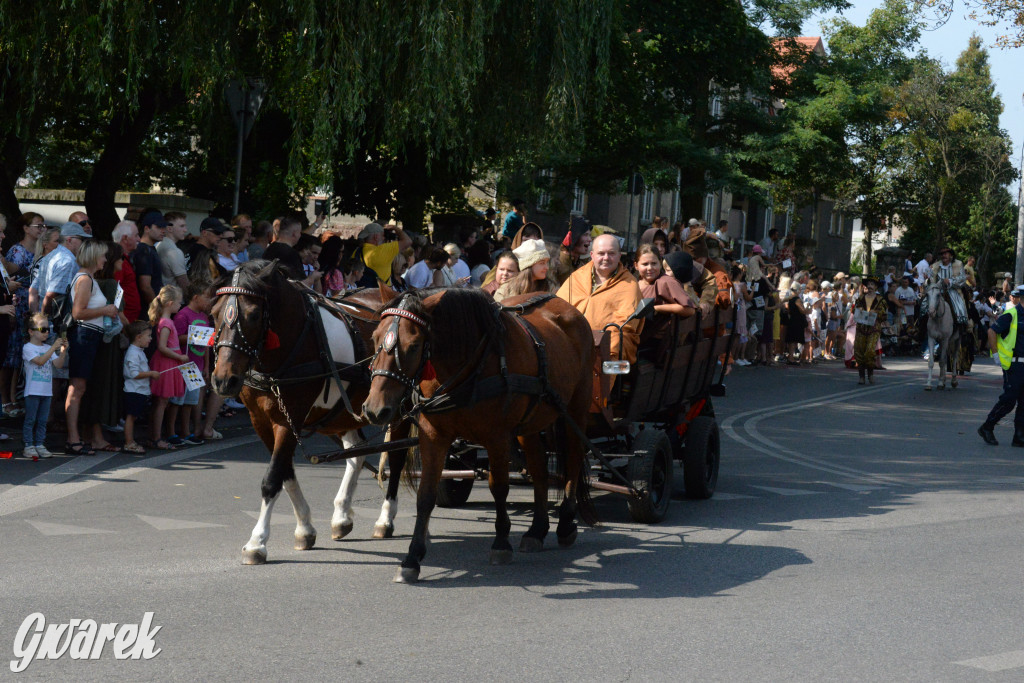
{"points": [[472, 389], [287, 374]]}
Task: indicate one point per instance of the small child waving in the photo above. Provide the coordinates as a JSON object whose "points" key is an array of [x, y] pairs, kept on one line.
{"points": [[168, 355], [39, 360], [136, 382]]}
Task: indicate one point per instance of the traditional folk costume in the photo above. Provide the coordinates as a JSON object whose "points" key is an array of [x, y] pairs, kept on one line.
{"points": [[866, 340], [956, 274]]}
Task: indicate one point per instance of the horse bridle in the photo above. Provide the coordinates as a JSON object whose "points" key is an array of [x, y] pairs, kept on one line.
{"points": [[389, 345], [232, 321]]}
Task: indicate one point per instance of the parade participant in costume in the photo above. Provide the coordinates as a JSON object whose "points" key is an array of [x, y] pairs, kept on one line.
{"points": [[605, 292], [951, 273], [1002, 335], [866, 341]]}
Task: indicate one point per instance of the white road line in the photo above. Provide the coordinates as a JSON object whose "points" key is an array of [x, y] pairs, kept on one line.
{"points": [[51, 529], [1000, 662], [856, 488], [788, 492], [730, 496], [780, 452], [167, 524], [55, 484]]}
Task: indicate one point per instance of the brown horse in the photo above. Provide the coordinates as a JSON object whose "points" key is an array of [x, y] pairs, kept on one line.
{"points": [[487, 375], [275, 341]]}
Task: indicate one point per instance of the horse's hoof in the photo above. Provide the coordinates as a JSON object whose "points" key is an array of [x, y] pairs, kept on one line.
{"points": [[254, 555], [383, 530], [501, 557], [567, 541], [529, 544], [407, 575], [340, 531], [305, 542]]}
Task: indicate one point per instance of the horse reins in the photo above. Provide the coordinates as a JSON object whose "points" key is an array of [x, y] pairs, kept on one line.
{"points": [[231, 321]]}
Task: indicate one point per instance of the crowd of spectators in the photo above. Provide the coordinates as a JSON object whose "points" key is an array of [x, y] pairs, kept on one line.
{"points": [[95, 331]]}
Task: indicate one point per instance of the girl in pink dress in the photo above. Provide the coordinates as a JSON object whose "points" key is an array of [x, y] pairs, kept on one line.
{"points": [[167, 355]]}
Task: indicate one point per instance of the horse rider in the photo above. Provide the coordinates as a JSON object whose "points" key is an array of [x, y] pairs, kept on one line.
{"points": [[605, 292], [951, 273], [1002, 335]]}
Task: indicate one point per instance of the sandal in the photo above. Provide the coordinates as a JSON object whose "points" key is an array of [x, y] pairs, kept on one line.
{"points": [[133, 448], [13, 410], [162, 445], [78, 448], [226, 412], [109, 448], [214, 435]]}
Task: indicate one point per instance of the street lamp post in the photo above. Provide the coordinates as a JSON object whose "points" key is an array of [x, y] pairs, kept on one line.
{"points": [[1018, 272], [245, 99]]}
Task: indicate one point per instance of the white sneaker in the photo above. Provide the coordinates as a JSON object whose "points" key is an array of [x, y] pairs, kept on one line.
{"points": [[234, 405], [30, 453], [43, 453]]}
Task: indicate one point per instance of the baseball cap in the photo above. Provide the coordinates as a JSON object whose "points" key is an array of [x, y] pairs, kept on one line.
{"points": [[70, 229], [153, 218], [371, 229], [214, 225], [1018, 291]]}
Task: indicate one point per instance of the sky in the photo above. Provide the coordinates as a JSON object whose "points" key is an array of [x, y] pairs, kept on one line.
{"points": [[946, 42]]}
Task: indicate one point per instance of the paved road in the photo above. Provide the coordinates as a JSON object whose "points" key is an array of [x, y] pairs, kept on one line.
{"points": [[858, 533]]}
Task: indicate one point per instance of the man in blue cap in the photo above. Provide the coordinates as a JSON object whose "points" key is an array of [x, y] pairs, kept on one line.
{"points": [[1002, 335]]}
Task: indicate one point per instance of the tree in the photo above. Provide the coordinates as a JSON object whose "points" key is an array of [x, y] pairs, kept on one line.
{"points": [[1006, 13], [955, 150]]}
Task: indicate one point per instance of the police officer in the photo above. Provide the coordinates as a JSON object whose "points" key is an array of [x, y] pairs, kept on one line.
{"points": [[1003, 337]]}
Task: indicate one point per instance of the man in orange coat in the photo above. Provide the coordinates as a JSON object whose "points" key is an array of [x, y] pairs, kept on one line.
{"points": [[605, 292]]}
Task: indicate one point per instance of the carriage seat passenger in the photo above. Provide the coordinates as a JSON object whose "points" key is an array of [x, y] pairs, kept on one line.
{"points": [[665, 286], [605, 292]]}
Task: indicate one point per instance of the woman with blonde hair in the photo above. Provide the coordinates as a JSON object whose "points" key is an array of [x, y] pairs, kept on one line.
{"points": [[534, 261], [88, 308]]}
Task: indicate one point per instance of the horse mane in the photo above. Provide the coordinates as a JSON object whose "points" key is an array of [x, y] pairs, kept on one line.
{"points": [[248, 276], [458, 320]]}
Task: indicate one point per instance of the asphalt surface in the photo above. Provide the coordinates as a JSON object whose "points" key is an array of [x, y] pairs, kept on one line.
{"points": [[857, 533]]}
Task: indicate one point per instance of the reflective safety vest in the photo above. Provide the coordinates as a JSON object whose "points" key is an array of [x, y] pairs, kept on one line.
{"points": [[1009, 342]]}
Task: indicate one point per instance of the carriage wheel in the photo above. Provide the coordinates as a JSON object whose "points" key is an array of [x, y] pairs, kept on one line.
{"points": [[453, 493], [650, 470], [701, 457]]}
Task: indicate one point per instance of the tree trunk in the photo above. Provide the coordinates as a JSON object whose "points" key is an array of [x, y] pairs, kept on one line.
{"points": [[867, 244], [126, 132], [11, 168]]}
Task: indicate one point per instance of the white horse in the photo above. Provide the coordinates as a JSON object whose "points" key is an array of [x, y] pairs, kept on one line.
{"points": [[943, 334]]}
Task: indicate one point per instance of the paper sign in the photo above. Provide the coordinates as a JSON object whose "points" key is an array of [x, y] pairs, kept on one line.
{"points": [[3, 271], [193, 378], [787, 263], [119, 297], [200, 335], [759, 301], [753, 330], [863, 317]]}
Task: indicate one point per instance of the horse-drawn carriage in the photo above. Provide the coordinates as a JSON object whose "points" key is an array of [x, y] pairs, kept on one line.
{"points": [[644, 417], [458, 365]]}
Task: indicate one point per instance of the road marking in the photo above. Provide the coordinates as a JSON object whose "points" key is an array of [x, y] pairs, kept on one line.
{"points": [[788, 492], [281, 518], [55, 484], [776, 450], [1000, 662], [167, 524], [856, 488], [730, 496], [1003, 480], [51, 529]]}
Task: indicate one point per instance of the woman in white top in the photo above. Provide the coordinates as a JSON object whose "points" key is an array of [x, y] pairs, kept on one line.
{"points": [[88, 307]]}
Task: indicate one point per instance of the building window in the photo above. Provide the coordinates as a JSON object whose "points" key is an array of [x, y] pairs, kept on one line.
{"points": [[790, 213], [579, 197], [544, 180], [709, 207], [769, 219], [835, 224], [647, 205], [716, 106]]}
